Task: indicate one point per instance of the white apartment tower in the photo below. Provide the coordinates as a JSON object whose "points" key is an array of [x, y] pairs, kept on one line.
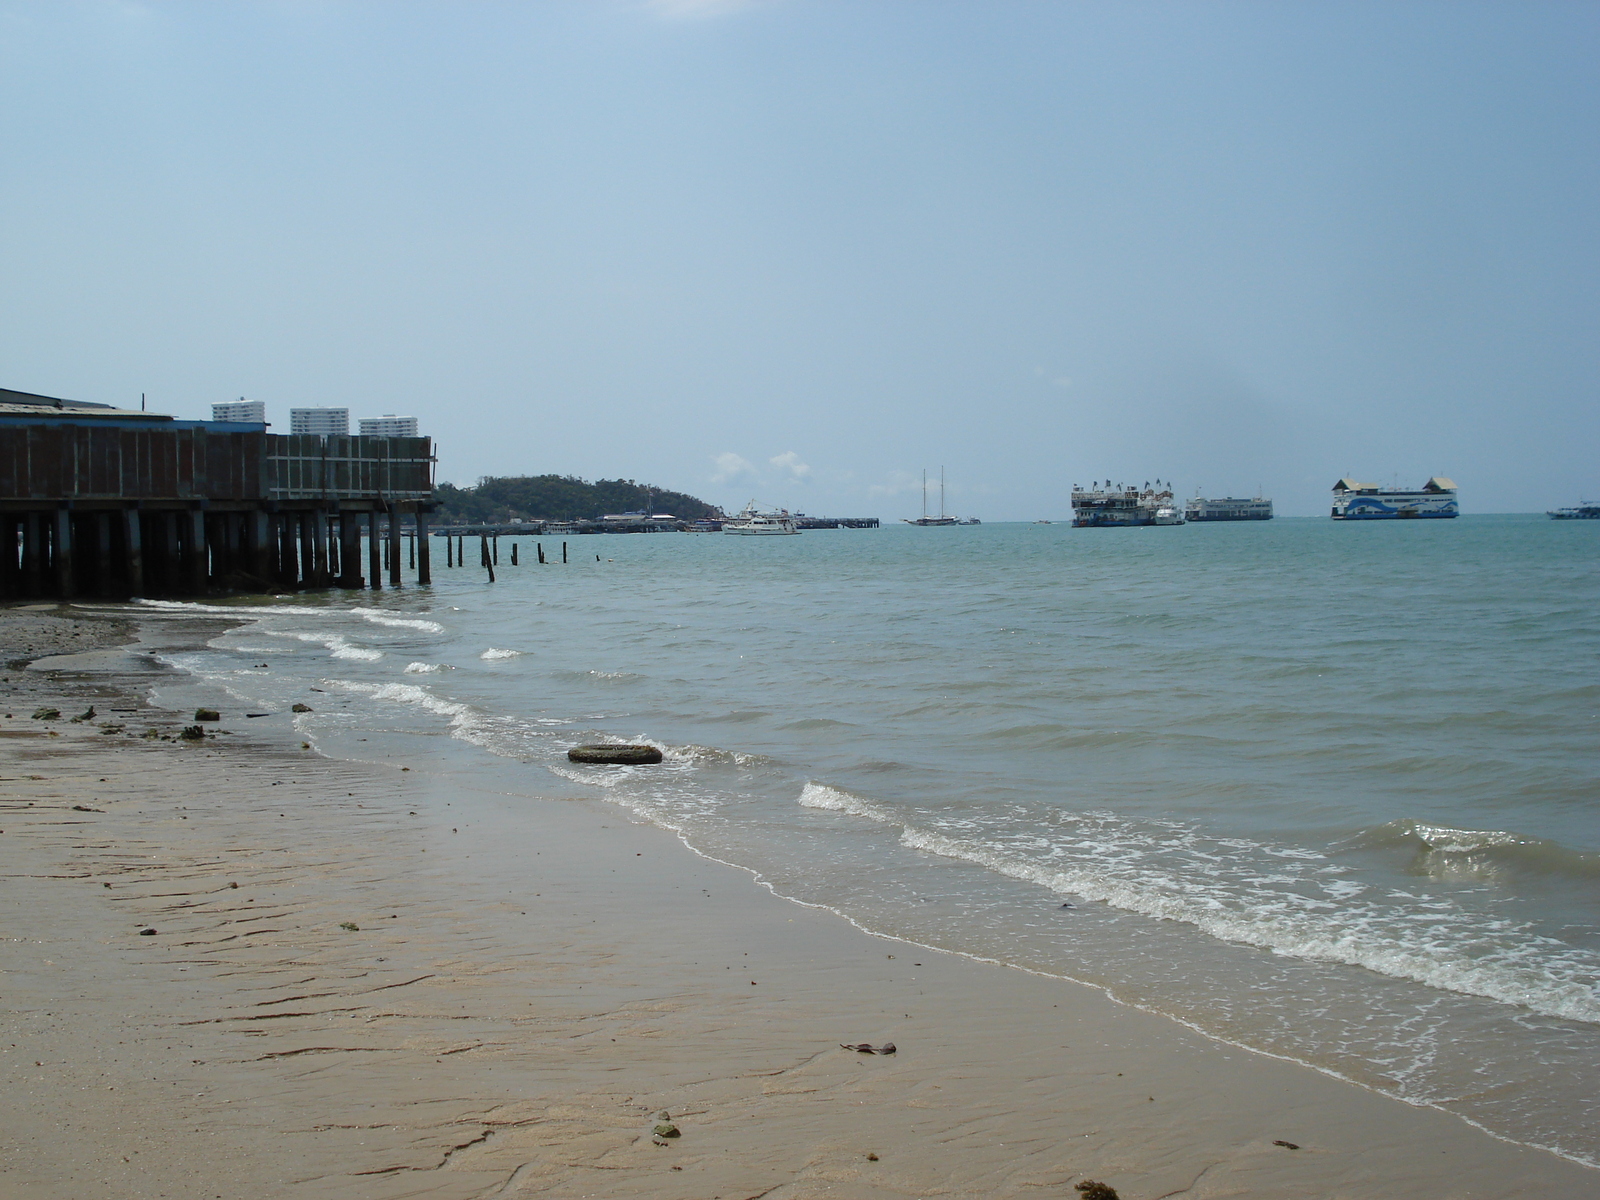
{"points": [[254, 411], [388, 425], [325, 421]]}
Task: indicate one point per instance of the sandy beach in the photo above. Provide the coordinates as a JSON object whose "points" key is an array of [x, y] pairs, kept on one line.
{"points": [[234, 968]]}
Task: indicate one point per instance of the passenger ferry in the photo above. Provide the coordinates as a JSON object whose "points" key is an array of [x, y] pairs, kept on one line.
{"points": [[1584, 510], [1356, 501], [1105, 506], [1229, 508]]}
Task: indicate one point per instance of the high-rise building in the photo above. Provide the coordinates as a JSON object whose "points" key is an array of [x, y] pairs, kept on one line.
{"points": [[240, 410], [388, 425], [334, 421]]}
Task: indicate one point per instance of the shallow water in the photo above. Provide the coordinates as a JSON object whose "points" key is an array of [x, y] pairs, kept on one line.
{"points": [[1325, 790]]}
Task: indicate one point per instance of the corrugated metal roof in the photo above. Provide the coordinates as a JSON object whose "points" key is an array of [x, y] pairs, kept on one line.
{"points": [[28, 404], [1440, 483], [1352, 485]]}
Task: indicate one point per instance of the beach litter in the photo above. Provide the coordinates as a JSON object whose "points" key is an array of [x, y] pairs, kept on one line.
{"points": [[147, 933], [1093, 1189], [297, 707], [868, 1047], [207, 714], [350, 925], [1286, 1145], [47, 714], [86, 715], [618, 754], [193, 733]]}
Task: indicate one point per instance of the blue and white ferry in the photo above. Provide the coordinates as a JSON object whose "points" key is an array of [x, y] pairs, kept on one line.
{"points": [[1356, 501]]}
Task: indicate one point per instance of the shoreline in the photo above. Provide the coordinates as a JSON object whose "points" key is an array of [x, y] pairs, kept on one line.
{"points": [[531, 978]]}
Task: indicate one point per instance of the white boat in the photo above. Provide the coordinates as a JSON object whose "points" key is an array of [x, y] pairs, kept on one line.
{"points": [[751, 523], [1228, 508], [925, 519], [1108, 506]]}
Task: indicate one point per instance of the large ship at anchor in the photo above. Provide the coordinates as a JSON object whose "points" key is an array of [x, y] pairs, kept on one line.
{"points": [[1105, 506], [1356, 501], [1229, 508]]}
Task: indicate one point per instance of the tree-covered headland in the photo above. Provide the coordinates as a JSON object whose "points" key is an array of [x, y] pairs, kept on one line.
{"points": [[559, 498]]}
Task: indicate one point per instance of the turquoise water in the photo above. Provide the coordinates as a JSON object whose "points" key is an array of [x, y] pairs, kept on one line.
{"points": [[1325, 790]]}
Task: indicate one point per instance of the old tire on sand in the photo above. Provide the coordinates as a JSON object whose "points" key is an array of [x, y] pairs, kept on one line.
{"points": [[626, 755]]}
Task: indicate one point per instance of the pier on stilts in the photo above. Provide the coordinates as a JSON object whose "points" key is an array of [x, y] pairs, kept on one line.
{"points": [[104, 502]]}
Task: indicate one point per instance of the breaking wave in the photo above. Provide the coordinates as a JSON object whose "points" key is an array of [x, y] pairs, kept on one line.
{"points": [[1439, 851]]}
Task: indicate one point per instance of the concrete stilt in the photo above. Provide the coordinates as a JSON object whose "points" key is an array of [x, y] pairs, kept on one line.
{"points": [[61, 553], [374, 553], [394, 545], [424, 572]]}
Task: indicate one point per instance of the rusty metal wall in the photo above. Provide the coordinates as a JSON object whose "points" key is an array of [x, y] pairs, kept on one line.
{"points": [[53, 461], [60, 461]]}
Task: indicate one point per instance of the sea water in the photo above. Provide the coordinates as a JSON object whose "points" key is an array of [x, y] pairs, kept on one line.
{"points": [[1324, 790]]}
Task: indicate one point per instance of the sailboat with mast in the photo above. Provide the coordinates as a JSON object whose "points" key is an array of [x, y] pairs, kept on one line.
{"points": [[925, 519]]}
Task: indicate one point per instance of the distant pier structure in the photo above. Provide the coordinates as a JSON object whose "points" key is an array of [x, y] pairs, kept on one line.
{"points": [[97, 501]]}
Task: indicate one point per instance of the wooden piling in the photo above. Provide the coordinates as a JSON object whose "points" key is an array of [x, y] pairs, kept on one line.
{"points": [[424, 572], [513, 554], [394, 544], [564, 552], [495, 560], [374, 553], [350, 550]]}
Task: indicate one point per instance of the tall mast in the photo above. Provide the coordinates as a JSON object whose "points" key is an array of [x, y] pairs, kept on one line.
{"points": [[941, 493], [924, 492]]}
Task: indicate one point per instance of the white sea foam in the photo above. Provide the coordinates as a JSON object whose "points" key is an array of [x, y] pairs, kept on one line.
{"points": [[337, 645], [379, 616], [820, 795], [423, 668], [1361, 938], [493, 655], [405, 693]]}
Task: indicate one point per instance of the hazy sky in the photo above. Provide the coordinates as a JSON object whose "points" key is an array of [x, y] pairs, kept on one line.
{"points": [[801, 250]]}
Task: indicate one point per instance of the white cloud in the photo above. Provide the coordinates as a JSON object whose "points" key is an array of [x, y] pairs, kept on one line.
{"points": [[731, 466], [898, 484], [790, 461]]}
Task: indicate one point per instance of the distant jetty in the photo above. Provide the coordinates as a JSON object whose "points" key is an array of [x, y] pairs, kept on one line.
{"points": [[632, 523]]}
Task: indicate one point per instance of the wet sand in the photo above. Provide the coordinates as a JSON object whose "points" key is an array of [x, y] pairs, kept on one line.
{"points": [[367, 983]]}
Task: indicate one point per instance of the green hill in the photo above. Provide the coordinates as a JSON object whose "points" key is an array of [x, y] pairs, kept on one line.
{"points": [[559, 498]]}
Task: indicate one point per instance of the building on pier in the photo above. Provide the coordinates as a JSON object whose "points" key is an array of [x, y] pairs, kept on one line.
{"points": [[101, 501]]}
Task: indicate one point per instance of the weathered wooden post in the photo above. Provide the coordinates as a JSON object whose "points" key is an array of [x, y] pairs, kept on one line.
{"points": [[563, 552], [374, 553], [134, 543], [394, 544], [199, 564], [350, 549], [258, 545], [105, 579], [61, 551], [32, 554], [513, 554], [424, 572], [413, 545], [323, 571], [496, 559], [449, 550]]}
